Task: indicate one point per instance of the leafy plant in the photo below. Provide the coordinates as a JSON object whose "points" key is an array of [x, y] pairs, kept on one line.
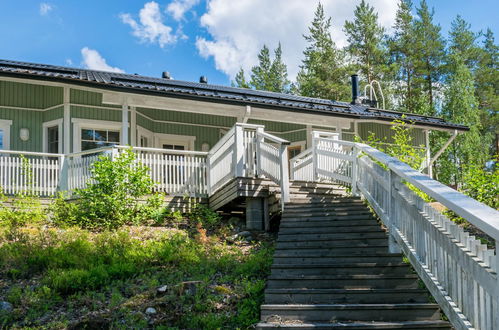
{"points": [[113, 195]]}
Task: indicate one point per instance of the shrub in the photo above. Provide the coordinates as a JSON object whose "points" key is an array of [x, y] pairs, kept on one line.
{"points": [[112, 197]]}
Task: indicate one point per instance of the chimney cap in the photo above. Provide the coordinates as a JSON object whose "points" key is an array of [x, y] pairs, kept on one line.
{"points": [[166, 75], [203, 80]]}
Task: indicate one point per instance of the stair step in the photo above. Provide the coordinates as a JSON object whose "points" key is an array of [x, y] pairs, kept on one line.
{"points": [[337, 242], [358, 281], [331, 229], [366, 216], [284, 257], [339, 268], [305, 213], [380, 247], [357, 312], [315, 202], [340, 296], [334, 236], [406, 325], [331, 223]]}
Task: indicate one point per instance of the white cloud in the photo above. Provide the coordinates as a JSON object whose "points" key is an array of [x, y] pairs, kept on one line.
{"points": [[94, 61], [150, 28], [238, 29], [45, 8], [69, 61], [177, 8]]}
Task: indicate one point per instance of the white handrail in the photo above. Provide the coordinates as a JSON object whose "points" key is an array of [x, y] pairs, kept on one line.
{"points": [[458, 270]]}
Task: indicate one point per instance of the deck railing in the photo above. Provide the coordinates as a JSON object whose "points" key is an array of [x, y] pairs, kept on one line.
{"points": [[29, 172], [459, 271], [247, 151]]}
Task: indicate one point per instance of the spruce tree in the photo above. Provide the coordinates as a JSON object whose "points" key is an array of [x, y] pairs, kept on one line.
{"points": [[462, 42], [428, 57], [269, 75], [260, 74], [279, 73], [322, 73], [240, 80], [365, 42]]}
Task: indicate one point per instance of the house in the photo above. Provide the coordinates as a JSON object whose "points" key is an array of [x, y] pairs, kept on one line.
{"points": [[263, 150], [70, 111]]}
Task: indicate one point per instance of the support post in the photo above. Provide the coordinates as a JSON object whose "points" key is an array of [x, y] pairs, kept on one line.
{"points": [[495, 321], [238, 154], [67, 121], [124, 124], [254, 213], [133, 126], [315, 135], [354, 170], [63, 174], [428, 153], [393, 246], [208, 175], [284, 171], [259, 141]]}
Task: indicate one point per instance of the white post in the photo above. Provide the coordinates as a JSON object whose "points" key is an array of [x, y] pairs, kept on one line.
{"points": [[428, 153], [133, 126], [283, 156], [238, 154], [315, 135], [259, 141], [63, 173], [393, 247], [208, 175], [354, 170], [124, 124], [67, 121], [495, 321]]}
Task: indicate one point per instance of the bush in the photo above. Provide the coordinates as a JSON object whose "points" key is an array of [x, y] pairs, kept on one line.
{"points": [[482, 185], [112, 197]]}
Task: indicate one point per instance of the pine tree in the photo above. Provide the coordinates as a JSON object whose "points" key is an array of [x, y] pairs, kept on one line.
{"points": [[428, 58], [279, 73], [260, 74], [322, 73], [462, 41], [401, 53], [461, 106], [240, 80], [365, 38]]}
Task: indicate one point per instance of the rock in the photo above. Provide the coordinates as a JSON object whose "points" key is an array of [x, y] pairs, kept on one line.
{"points": [[249, 238], [151, 311], [6, 306], [162, 289], [243, 234], [190, 287]]}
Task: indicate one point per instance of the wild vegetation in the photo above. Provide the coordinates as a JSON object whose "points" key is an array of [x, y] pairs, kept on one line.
{"points": [[421, 71], [92, 263]]}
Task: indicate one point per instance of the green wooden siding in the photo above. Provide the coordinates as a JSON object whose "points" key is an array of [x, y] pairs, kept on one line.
{"points": [[95, 113], [29, 96], [53, 114], [32, 120], [381, 130], [78, 96], [188, 117]]}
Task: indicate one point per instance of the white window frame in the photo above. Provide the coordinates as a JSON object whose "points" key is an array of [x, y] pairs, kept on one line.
{"points": [[5, 127], [185, 140], [144, 132], [46, 125], [80, 123]]}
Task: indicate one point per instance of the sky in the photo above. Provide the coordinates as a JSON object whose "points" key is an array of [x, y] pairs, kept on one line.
{"points": [[189, 38]]}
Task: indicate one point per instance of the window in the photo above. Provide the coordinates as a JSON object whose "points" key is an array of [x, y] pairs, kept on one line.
{"points": [[173, 146], [53, 139], [5, 134], [97, 138], [144, 141]]}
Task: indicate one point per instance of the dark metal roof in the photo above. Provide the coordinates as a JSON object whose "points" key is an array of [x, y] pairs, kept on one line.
{"points": [[170, 87]]}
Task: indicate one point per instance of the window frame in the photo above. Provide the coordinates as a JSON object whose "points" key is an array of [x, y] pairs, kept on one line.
{"points": [[80, 123], [5, 126], [49, 124]]}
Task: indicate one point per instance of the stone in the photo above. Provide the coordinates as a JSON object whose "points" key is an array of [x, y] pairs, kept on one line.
{"points": [[190, 287], [162, 289], [151, 311], [6, 306], [243, 234]]}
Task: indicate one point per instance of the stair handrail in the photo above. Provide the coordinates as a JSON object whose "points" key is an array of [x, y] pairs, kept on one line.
{"points": [[460, 272]]}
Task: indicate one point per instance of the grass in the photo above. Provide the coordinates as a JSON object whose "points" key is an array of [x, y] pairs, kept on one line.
{"points": [[59, 278]]}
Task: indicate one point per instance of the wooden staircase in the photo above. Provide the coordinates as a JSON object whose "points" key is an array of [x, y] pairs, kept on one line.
{"points": [[332, 270]]}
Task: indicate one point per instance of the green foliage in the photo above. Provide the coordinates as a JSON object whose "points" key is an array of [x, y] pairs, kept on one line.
{"points": [[268, 75], [482, 185], [323, 73], [365, 43], [205, 216], [240, 80], [112, 197]]}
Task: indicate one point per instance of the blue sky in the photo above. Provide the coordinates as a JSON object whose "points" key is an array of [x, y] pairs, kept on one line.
{"points": [[188, 38]]}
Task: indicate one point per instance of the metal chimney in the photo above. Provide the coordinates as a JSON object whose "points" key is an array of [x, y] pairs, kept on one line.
{"points": [[203, 80], [166, 75], [355, 89]]}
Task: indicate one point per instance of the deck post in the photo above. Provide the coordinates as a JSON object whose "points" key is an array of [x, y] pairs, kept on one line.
{"points": [[284, 164], [238, 159], [354, 171], [393, 246], [259, 140], [254, 213], [315, 135], [63, 174], [124, 124]]}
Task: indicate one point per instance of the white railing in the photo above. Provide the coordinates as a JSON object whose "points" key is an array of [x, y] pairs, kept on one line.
{"points": [[76, 170], [29, 172], [459, 271]]}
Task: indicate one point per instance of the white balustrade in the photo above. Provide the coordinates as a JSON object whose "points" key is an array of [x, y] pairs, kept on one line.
{"points": [[458, 270]]}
